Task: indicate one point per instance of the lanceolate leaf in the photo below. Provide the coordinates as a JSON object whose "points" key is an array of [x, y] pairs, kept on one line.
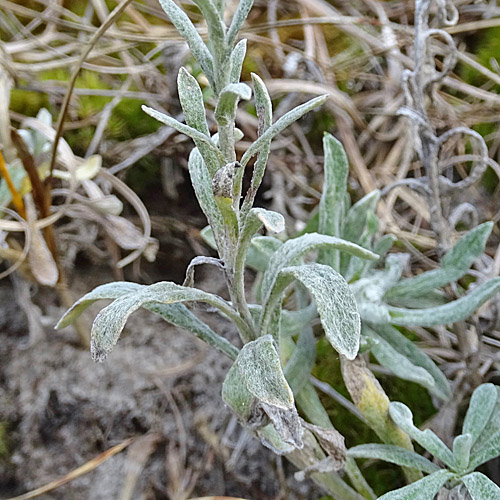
{"points": [[264, 110], [403, 418], [281, 125], [107, 291], [335, 302], [192, 102], [239, 18], [425, 489], [202, 185], [186, 29], [110, 322], [176, 314], [193, 106], [331, 205], [407, 348], [256, 218], [291, 251], [400, 365], [449, 313], [236, 60], [184, 129], [480, 487], [394, 455], [215, 24], [481, 406], [461, 451], [454, 265]]}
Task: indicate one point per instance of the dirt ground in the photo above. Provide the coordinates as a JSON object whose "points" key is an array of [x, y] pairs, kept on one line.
{"points": [[160, 385]]}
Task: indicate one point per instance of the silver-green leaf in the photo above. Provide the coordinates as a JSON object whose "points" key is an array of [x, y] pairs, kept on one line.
{"points": [[453, 266], [480, 487], [452, 312], [393, 454], [335, 302], [424, 489], [403, 418]]}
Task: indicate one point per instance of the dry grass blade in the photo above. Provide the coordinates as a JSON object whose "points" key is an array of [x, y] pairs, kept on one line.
{"points": [[80, 471], [102, 29]]}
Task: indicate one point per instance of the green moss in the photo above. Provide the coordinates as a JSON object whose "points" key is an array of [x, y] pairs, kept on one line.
{"points": [[485, 44], [28, 102]]}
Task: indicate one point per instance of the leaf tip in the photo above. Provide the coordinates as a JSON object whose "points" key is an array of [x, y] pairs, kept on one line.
{"points": [[98, 353]]}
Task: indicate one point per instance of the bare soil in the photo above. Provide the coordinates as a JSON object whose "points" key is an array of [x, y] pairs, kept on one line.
{"points": [[59, 410]]}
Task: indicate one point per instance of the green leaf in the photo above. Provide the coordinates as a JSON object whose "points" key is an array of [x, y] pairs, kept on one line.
{"points": [[187, 30], [264, 110], [491, 427], [394, 455], [193, 106], [335, 302], [260, 368], [403, 418], [260, 251], [239, 18], [454, 265], [236, 395], [215, 24], [236, 60], [425, 489], [110, 322], [228, 100], [480, 410], [355, 222], [480, 487], [281, 125], [292, 250], [256, 218], [202, 185], [331, 205], [461, 450], [301, 361], [452, 312], [184, 129], [176, 314], [399, 364], [107, 291], [489, 450], [208, 237], [440, 386]]}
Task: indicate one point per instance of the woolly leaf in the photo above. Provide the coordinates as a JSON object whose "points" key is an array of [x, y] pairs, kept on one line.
{"points": [[480, 487], [110, 322], [331, 205], [187, 30], [236, 60], [176, 314], [403, 418], [451, 312], [335, 302], [480, 409], [425, 489], [454, 265], [440, 386], [292, 250], [393, 454], [281, 125], [228, 99], [260, 368]]}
